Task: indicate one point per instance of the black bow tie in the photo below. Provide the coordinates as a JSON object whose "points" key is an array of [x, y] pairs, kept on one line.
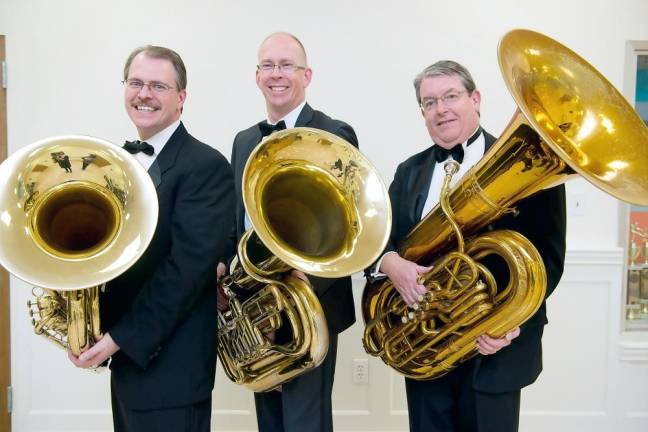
{"points": [[137, 146], [266, 128], [456, 152], [441, 154]]}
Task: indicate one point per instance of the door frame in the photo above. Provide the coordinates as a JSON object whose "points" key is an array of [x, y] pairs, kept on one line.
{"points": [[5, 333]]}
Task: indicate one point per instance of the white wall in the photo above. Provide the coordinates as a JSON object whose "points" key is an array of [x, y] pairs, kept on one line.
{"points": [[65, 60]]}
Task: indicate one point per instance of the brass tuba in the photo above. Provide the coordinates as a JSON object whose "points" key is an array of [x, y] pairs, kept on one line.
{"points": [[570, 121], [317, 205], [75, 212]]}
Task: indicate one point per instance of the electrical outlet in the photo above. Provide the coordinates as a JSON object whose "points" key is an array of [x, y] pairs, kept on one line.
{"points": [[360, 371]]}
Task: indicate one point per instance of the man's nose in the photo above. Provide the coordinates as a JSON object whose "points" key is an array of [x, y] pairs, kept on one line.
{"points": [[145, 91], [441, 106], [276, 72]]}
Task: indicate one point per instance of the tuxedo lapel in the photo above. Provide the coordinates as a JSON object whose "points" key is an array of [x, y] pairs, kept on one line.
{"points": [[249, 146], [489, 140], [252, 144], [155, 173], [305, 116], [421, 178], [168, 156]]}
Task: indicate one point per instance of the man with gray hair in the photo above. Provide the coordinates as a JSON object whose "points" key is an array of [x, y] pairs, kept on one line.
{"points": [[159, 318], [483, 393]]}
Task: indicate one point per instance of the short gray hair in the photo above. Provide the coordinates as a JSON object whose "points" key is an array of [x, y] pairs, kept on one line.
{"points": [[448, 68], [164, 53]]}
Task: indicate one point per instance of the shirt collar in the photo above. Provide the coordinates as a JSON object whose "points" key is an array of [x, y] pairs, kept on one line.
{"points": [[476, 134], [161, 138], [472, 137], [291, 118]]}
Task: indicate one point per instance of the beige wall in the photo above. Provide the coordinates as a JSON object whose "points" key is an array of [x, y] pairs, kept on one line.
{"points": [[65, 60]]}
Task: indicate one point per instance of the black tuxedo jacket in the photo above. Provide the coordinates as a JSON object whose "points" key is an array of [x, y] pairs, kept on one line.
{"points": [[335, 295], [162, 311], [541, 219]]}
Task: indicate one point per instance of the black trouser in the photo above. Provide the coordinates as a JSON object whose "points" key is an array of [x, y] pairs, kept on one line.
{"points": [[450, 404], [189, 418], [304, 403]]}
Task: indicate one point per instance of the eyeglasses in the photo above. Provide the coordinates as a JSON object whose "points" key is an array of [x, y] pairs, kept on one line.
{"points": [[268, 68], [449, 100], [154, 86]]}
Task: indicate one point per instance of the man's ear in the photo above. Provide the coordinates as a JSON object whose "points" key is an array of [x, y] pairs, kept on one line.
{"points": [[475, 97], [308, 75], [182, 97]]}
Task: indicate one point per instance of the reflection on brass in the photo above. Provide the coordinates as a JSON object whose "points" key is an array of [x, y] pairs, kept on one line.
{"points": [[118, 193], [68, 318], [634, 252], [633, 286], [317, 205], [643, 291], [68, 225], [87, 160], [635, 249], [570, 120], [62, 160], [633, 311]]}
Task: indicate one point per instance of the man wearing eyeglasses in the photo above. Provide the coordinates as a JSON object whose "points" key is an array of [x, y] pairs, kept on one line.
{"points": [[158, 318], [304, 403], [483, 393]]}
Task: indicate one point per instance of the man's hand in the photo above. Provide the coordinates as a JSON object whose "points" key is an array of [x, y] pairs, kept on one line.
{"points": [[487, 345], [97, 354], [404, 275], [222, 301], [220, 271], [301, 275]]}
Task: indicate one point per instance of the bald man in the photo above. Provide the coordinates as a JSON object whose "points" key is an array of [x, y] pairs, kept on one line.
{"points": [[304, 403]]}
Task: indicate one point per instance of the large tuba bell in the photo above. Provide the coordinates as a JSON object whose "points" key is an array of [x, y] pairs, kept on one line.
{"points": [[75, 212], [316, 205], [570, 121]]}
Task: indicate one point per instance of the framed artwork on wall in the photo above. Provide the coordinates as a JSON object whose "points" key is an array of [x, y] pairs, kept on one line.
{"points": [[637, 249]]}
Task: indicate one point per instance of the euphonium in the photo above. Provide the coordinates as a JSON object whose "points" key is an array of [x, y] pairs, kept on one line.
{"points": [[316, 205], [570, 120], [75, 212]]}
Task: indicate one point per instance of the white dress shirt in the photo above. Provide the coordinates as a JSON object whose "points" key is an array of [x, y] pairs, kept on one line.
{"points": [[472, 154], [158, 142], [291, 118]]}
